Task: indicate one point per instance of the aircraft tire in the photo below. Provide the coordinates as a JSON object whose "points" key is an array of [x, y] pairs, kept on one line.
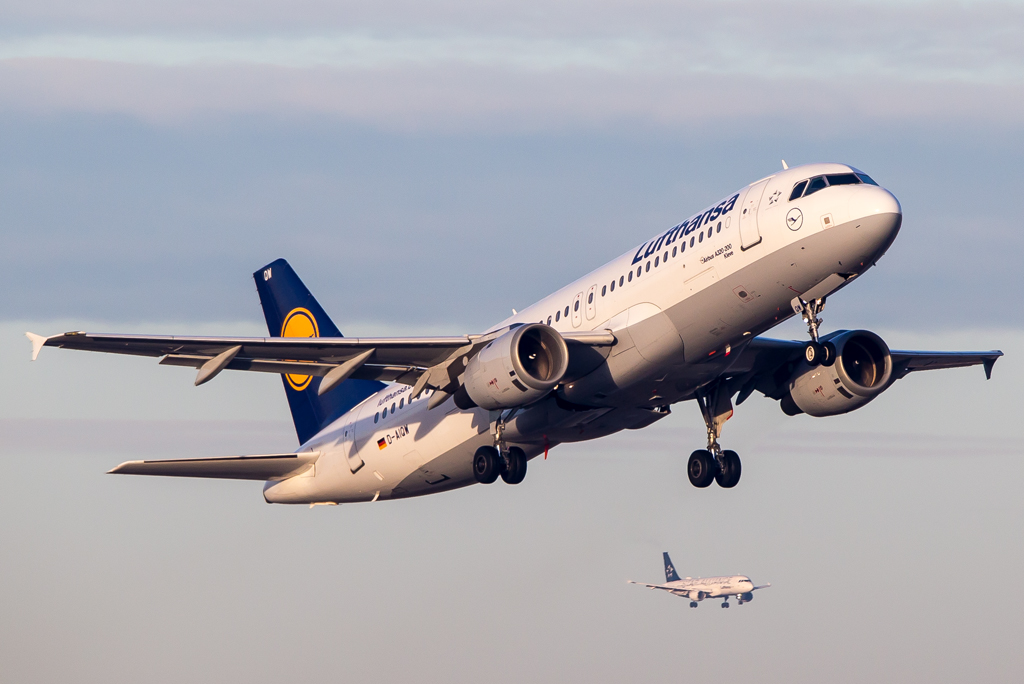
{"points": [[729, 475], [693, 604], [486, 464], [725, 605], [700, 468], [514, 471], [814, 353], [830, 354]]}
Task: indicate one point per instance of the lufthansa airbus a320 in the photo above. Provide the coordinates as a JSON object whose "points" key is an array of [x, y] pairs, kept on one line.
{"points": [[678, 318]]}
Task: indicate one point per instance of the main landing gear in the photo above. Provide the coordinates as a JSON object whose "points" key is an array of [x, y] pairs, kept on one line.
{"points": [[815, 353], [489, 463], [725, 603], [714, 464]]}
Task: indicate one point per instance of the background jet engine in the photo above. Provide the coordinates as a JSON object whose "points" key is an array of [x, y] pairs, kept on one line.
{"points": [[518, 368], [747, 597], [862, 370], [696, 595]]}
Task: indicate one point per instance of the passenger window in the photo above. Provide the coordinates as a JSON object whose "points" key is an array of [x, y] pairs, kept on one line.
{"points": [[620, 281], [711, 232], [866, 178], [842, 179], [639, 269], [613, 286], [604, 289], [665, 256], [590, 298], [656, 260], [719, 228], [549, 320], [701, 238], [401, 403], [558, 315], [798, 190], [648, 269], [392, 407], [673, 252], [630, 276], [691, 241], [576, 305], [567, 310], [376, 416], [815, 185], [384, 413]]}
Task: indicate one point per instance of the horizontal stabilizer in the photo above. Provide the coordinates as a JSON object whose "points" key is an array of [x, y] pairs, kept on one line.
{"points": [[266, 467]]}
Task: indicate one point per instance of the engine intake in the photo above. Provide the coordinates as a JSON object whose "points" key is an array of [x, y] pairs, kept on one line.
{"points": [[518, 368], [862, 370]]}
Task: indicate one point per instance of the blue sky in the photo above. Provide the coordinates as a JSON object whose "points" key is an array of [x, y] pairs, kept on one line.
{"points": [[427, 167]]}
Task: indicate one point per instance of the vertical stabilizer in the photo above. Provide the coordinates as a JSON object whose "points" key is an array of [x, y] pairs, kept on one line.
{"points": [[292, 311], [670, 570]]}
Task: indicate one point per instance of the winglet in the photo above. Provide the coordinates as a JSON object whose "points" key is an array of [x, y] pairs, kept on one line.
{"points": [[37, 343], [785, 166], [987, 364]]}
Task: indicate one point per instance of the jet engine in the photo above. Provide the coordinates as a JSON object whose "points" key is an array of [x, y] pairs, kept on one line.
{"points": [[696, 595], [518, 368], [747, 597], [861, 371]]}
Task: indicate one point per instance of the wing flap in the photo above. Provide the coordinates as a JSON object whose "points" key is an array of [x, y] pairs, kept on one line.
{"points": [[261, 467]]}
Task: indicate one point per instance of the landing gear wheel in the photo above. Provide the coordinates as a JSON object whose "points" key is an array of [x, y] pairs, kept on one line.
{"points": [[486, 464], [725, 605], [693, 604], [729, 475], [814, 354], [830, 354], [514, 470], [701, 468]]}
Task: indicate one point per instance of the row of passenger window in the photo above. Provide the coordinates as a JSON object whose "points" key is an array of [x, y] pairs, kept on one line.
{"points": [[643, 268], [813, 185], [381, 415]]}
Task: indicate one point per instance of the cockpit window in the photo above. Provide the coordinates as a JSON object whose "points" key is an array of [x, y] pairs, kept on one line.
{"points": [[815, 185], [821, 182], [798, 190], [842, 179]]}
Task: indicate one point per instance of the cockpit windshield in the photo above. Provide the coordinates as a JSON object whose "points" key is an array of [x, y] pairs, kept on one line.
{"points": [[813, 185]]}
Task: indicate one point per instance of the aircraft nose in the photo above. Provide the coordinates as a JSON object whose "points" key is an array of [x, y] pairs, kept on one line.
{"points": [[878, 214], [870, 200]]}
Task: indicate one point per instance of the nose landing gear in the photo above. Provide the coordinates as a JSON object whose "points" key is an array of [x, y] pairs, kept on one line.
{"points": [[815, 353]]}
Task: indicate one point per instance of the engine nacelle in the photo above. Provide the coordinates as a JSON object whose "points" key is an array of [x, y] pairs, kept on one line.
{"points": [[697, 595], [862, 369], [518, 368], [747, 597]]}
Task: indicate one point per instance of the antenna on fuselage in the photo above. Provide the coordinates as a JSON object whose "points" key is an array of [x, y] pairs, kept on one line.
{"points": [[785, 166]]}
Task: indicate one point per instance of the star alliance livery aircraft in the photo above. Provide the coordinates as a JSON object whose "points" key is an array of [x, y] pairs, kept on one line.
{"points": [[676, 319], [701, 588]]}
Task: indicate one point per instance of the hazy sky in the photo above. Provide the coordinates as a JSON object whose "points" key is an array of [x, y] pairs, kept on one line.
{"points": [[426, 167]]}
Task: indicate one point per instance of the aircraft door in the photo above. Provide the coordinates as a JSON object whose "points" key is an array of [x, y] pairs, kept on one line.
{"points": [[591, 302], [577, 315], [749, 233], [348, 446]]}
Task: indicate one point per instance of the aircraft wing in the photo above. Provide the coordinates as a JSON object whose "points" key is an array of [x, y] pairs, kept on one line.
{"points": [[265, 467], [764, 361], [763, 586], [391, 359], [671, 590]]}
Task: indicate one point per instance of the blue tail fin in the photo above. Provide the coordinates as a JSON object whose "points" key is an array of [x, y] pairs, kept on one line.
{"points": [[670, 570], [291, 311]]}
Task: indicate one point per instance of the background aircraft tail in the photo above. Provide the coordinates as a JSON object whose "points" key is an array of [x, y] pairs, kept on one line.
{"points": [[292, 311], [670, 570]]}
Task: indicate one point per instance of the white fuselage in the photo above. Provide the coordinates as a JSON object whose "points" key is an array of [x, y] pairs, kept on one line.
{"points": [[710, 587], [682, 306]]}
